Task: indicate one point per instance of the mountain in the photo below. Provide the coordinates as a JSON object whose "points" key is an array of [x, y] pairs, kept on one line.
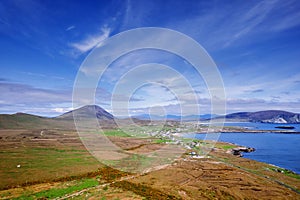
{"points": [[156, 117], [198, 117], [175, 117], [146, 117], [28, 121], [65, 121], [268, 116], [89, 111]]}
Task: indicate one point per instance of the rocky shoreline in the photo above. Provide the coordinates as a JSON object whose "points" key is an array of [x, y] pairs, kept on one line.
{"points": [[238, 151], [257, 131]]}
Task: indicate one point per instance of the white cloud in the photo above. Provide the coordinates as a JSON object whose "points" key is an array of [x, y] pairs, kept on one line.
{"points": [[255, 104], [16, 93], [287, 22], [70, 28], [61, 110], [91, 41], [227, 25], [251, 19]]}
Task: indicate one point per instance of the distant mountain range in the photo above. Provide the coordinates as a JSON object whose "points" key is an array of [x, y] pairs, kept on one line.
{"points": [[175, 117], [23, 120], [268, 116]]}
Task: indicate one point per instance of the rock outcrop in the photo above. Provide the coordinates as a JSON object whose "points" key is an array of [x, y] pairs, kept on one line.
{"points": [[238, 150]]}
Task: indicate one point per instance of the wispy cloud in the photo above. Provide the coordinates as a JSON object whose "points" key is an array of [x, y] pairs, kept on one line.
{"points": [[26, 98], [70, 28], [255, 91], [16, 93], [91, 41], [250, 19], [287, 22], [3, 79], [237, 24], [242, 104], [43, 75]]}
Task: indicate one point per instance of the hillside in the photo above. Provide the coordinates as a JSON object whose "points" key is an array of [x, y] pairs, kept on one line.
{"points": [[268, 116], [89, 111], [64, 121], [22, 120], [54, 164]]}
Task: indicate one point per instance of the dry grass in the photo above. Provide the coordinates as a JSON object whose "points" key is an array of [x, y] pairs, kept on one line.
{"points": [[54, 159]]}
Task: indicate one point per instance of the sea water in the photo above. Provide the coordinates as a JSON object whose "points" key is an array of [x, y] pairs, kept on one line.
{"points": [[263, 126], [279, 149]]}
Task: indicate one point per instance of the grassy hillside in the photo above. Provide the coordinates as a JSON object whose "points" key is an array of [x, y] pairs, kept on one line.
{"points": [[22, 120]]}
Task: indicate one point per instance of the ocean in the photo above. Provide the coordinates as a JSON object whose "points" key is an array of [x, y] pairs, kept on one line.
{"points": [[280, 149]]}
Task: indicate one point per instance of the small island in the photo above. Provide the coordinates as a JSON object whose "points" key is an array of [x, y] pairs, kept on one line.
{"points": [[285, 127]]}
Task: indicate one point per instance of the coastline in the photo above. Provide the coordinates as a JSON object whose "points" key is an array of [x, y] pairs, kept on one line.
{"points": [[255, 127], [218, 174], [228, 156], [255, 131], [236, 129], [262, 149]]}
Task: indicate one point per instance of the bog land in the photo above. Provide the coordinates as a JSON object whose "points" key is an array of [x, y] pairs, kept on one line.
{"points": [[54, 164]]}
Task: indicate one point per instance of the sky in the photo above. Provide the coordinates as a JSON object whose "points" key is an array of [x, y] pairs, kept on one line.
{"points": [[255, 45]]}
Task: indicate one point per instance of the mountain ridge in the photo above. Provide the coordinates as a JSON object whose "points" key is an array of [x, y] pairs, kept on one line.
{"points": [[266, 116], [174, 117], [19, 120]]}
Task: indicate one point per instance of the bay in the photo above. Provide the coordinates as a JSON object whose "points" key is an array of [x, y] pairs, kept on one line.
{"points": [[274, 148], [263, 126]]}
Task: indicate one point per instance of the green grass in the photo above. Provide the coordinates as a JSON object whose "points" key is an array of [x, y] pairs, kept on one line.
{"points": [[116, 133], [22, 121], [59, 192], [227, 147], [38, 164], [187, 139], [133, 162], [286, 172], [38, 149], [161, 141], [38, 157]]}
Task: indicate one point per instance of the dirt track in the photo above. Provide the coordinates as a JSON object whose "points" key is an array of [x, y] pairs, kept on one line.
{"points": [[221, 176]]}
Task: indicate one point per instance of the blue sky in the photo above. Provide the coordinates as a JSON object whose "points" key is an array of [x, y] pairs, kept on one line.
{"points": [[255, 45]]}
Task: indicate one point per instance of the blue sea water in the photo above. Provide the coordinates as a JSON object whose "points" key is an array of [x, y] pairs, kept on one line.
{"points": [[279, 149], [262, 126]]}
